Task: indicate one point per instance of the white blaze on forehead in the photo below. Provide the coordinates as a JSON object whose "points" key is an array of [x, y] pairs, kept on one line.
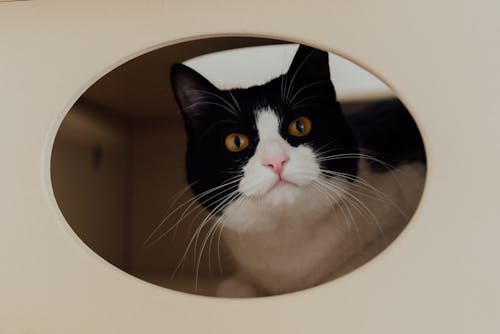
{"points": [[267, 124]]}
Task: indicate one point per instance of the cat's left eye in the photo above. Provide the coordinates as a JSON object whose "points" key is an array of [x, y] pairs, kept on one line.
{"points": [[236, 142], [300, 127]]}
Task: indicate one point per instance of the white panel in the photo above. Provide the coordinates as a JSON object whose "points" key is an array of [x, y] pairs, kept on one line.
{"points": [[440, 276]]}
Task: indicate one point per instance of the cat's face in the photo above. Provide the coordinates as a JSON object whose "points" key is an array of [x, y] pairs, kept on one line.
{"points": [[268, 145]]}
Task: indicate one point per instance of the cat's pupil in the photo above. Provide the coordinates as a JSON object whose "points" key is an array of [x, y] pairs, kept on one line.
{"points": [[299, 126], [237, 141]]}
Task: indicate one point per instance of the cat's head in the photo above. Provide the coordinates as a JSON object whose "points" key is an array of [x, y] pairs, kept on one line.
{"points": [[273, 144]]}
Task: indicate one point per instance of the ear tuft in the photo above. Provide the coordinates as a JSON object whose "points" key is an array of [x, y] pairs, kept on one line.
{"points": [[192, 92], [310, 62], [309, 71], [189, 86]]}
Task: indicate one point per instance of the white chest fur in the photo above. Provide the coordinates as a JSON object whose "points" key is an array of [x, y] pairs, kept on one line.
{"points": [[279, 250]]}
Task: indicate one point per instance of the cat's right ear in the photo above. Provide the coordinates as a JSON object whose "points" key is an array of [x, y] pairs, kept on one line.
{"points": [[192, 92]]}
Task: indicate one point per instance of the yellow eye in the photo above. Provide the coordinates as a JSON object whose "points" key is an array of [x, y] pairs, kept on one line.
{"points": [[300, 127], [236, 142]]}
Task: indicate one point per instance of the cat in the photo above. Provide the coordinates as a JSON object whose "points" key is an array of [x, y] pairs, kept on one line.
{"points": [[303, 192]]}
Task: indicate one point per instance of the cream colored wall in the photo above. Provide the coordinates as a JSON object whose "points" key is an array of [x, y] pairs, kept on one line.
{"points": [[438, 277], [94, 195]]}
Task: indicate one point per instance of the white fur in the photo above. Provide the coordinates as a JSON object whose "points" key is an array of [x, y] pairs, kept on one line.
{"points": [[290, 236], [300, 170]]}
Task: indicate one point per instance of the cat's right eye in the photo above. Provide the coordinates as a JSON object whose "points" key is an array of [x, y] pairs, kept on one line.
{"points": [[236, 142]]}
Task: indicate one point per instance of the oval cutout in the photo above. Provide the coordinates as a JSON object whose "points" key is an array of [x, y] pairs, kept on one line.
{"points": [[119, 174]]}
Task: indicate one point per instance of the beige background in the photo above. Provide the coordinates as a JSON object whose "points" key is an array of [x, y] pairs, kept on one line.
{"points": [[440, 276]]}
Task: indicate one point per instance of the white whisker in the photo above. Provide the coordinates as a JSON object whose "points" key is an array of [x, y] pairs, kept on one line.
{"points": [[229, 105], [304, 87], [195, 201], [290, 86]]}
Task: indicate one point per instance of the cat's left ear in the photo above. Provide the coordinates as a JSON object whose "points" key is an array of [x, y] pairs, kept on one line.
{"points": [[192, 92], [309, 65], [189, 86]]}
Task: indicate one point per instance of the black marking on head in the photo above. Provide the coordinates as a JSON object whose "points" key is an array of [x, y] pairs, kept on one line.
{"points": [[211, 114]]}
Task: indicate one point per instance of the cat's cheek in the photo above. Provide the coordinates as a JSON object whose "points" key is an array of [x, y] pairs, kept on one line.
{"points": [[302, 174], [303, 167]]}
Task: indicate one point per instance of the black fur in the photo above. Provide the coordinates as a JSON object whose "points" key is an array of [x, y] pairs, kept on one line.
{"points": [[306, 89], [387, 131]]}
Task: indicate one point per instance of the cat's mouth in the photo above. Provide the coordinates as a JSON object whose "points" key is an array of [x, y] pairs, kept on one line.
{"points": [[282, 183]]}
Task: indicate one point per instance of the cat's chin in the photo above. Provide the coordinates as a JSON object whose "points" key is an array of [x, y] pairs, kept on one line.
{"points": [[282, 186], [283, 203], [283, 193]]}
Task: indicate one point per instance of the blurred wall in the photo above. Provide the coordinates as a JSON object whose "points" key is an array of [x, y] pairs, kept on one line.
{"points": [[159, 187], [89, 171]]}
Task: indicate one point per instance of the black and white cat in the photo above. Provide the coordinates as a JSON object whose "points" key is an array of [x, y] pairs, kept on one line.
{"points": [[302, 191]]}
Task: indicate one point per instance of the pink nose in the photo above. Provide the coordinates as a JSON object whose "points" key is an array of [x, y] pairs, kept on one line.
{"points": [[276, 163]]}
